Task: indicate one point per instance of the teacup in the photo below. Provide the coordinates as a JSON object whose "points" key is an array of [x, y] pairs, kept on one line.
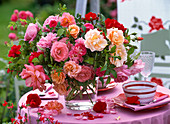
{"points": [[145, 90]]}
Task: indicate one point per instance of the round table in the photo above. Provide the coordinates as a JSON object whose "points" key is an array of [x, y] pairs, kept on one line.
{"points": [[127, 116]]}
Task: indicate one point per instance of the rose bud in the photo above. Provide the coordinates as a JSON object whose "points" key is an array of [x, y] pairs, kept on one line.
{"points": [[12, 36], [139, 38], [16, 11], [5, 42], [126, 41]]}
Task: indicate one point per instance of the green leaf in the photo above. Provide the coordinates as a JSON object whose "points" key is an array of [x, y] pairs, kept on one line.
{"points": [[163, 57], [101, 79], [113, 49], [103, 17], [108, 80], [41, 57], [134, 25], [60, 32], [104, 67], [131, 50], [40, 48], [113, 73], [89, 60], [83, 28], [135, 19], [35, 60], [20, 61], [140, 27]]}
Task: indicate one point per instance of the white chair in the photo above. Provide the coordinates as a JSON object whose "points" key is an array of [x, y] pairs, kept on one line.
{"points": [[82, 4]]}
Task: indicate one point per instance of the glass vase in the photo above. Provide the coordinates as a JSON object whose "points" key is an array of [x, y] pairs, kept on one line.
{"points": [[82, 99]]}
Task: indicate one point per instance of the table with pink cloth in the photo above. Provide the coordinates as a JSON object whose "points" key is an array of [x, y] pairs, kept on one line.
{"points": [[127, 116]]}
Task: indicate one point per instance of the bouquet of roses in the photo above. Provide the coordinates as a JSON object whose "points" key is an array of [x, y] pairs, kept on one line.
{"points": [[71, 51]]}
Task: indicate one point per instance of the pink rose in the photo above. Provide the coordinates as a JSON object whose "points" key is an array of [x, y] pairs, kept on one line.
{"points": [[88, 26], [22, 15], [59, 51], [16, 11], [121, 77], [46, 42], [74, 56], [80, 40], [29, 14], [67, 20], [31, 32], [12, 36], [113, 13], [35, 76], [137, 67], [48, 21], [65, 40], [14, 18], [84, 74]]}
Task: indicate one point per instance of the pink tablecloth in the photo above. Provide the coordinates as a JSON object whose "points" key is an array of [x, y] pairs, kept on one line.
{"points": [[156, 116]]}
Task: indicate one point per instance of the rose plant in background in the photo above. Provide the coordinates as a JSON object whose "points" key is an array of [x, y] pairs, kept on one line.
{"points": [[71, 51]]}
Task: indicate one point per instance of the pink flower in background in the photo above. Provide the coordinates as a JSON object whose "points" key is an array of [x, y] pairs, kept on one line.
{"points": [[74, 56], [22, 15], [67, 20], [88, 26], [48, 21], [121, 77], [71, 68], [29, 14], [16, 11], [12, 28], [14, 17], [113, 13], [12, 36], [65, 40], [100, 73], [59, 51], [35, 76], [123, 69], [46, 42], [137, 67], [155, 24], [31, 32], [84, 74]]}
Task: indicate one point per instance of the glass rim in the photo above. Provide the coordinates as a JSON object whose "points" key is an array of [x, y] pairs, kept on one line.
{"points": [[149, 52]]}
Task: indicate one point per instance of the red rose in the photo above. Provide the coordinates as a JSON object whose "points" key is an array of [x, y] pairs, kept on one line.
{"points": [[99, 107], [90, 16], [133, 100], [155, 24], [34, 55], [100, 73], [110, 23], [33, 100], [157, 81], [14, 52]]}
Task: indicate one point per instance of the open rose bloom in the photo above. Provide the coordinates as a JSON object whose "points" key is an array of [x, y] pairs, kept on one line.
{"points": [[72, 51]]}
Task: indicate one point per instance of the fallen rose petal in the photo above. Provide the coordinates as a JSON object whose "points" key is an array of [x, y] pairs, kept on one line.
{"points": [[69, 113]]}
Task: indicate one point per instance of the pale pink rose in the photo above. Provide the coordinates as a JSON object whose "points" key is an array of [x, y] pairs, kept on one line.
{"points": [[22, 15], [46, 42], [67, 20], [29, 14], [35, 76], [66, 40], [113, 13], [115, 36], [88, 26], [71, 68], [84, 74], [120, 51], [94, 41], [121, 77], [73, 30], [124, 69], [80, 40], [74, 56], [12, 36], [137, 67], [14, 17], [59, 51], [48, 21], [31, 32]]}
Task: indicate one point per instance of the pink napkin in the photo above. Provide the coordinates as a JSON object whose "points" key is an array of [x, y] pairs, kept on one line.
{"points": [[161, 101]]}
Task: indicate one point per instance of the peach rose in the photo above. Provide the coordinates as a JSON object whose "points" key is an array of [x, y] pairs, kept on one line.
{"points": [[94, 41], [71, 68], [120, 51], [67, 19], [54, 105], [115, 36], [61, 88], [74, 30], [58, 77], [59, 51]]}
